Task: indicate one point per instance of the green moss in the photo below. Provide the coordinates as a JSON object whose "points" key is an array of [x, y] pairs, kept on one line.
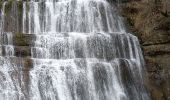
{"points": [[20, 40], [0, 5], [8, 6], [20, 6]]}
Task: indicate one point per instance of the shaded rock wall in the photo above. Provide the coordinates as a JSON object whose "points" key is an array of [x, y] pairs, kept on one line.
{"points": [[149, 20]]}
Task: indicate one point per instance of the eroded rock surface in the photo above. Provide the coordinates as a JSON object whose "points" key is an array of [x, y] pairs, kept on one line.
{"points": [[150, 21]]}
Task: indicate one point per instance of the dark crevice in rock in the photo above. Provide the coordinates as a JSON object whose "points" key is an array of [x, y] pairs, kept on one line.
{"points": [[150, 44]]}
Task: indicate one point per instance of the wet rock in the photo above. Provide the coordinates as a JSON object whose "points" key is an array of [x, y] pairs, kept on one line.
{"points": [[22, 51], [145, 20], [20, 39], [157, 49]]}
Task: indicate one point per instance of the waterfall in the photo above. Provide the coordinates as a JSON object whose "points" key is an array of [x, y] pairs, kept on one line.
{"points": [[81, 51]]}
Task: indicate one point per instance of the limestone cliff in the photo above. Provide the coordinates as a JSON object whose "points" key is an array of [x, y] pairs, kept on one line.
{"points": [[149, 20]]}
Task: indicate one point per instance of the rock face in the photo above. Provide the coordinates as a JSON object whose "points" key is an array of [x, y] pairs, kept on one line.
{"points": [[149, 20]]}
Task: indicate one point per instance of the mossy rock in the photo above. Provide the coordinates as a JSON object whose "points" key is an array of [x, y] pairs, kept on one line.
{"points": [[0, 5], [21, 39], [22, 51], [28, 64], [8, 6]]}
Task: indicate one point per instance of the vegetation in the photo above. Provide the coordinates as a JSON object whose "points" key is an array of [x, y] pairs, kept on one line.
{"points": [[20, 39], [8, 6]]}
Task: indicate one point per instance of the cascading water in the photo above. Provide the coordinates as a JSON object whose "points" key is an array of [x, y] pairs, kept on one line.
{"points": [[81, 52]]}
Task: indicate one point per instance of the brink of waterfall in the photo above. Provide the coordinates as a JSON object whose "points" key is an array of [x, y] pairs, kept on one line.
{"points": [[78, 50]]}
